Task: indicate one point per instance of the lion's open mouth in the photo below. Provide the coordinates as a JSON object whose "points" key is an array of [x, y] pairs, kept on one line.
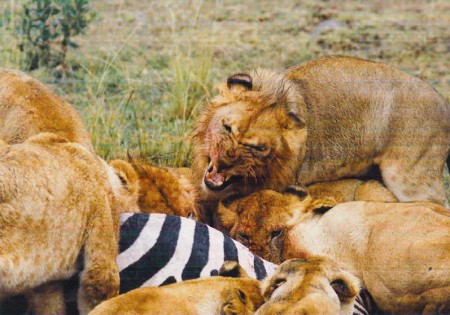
{"points": [[215, 180]]}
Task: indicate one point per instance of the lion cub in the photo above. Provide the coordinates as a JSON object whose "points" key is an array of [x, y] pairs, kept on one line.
{"points": [[155, 189], [235, 209], [400, 251], [58, 212], [312, 286], [230, 293]]}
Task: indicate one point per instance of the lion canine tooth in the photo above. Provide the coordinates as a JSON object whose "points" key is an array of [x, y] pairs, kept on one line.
{"points": [[227, 178]]}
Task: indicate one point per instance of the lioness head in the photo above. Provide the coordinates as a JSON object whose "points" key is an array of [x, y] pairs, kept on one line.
{"points": [[309, 286], [262, 221], [156, 189], [250, 136]]}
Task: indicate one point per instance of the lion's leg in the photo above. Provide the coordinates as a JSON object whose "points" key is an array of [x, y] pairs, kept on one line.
{"points": [[415, 178], [437, 301], [17, 260], [47, 299], [99, 280], [373, 190]]}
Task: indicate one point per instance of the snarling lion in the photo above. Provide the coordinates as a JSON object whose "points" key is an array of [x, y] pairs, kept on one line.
{"points": [[58, 214], [28, 107], [313, 286], [232, 292], [400, 251], [323, 120]]}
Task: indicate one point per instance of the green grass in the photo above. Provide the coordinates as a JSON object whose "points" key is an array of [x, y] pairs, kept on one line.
{"points": [[144, 68]]}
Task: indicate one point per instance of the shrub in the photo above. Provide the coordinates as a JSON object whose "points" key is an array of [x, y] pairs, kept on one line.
{"points": [[48, 27]]}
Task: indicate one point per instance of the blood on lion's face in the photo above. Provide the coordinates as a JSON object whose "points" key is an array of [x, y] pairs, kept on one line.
{"points": [[247, 138]]}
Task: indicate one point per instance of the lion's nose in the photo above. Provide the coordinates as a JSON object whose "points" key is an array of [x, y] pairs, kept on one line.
{"points": [[218, 166]]}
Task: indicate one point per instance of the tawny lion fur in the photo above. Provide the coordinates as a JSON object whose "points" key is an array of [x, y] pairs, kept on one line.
{"points": [[220, 295], [28, 107], [400, 251], [155, 189], [315, 286], [327, 119], [345, 190], [57, 205], [246, 209]]}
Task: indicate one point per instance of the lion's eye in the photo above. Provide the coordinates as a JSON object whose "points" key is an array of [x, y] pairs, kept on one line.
{"points": [[279, 282], [257, 147], [226, 126], [276, 233]]}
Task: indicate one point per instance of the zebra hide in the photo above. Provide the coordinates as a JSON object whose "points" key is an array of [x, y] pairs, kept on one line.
{"points": [[157, 249]]}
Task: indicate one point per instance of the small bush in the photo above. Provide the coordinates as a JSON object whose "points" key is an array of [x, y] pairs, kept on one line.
{"points": [[48, 27]]}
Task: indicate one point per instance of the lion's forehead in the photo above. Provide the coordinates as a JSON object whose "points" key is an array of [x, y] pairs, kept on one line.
{"points": [[249, 117]]}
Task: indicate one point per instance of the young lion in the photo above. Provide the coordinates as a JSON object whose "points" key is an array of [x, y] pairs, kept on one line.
{"points": [[155, 189], [27, 107], [327, 119], [400, 251], [57, 207], [312, 286], [221, 295], [245, 209]]}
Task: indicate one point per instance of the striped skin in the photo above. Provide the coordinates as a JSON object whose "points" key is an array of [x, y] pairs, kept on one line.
{"points": [[156, 250]]}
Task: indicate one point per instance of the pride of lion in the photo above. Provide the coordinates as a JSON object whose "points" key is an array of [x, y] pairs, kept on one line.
{"points": [[369, 141]]}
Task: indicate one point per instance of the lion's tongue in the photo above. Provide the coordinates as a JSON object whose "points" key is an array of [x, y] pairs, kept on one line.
{"points": [[215, 177]]}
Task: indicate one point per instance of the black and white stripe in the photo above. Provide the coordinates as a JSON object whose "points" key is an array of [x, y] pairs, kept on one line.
{"points": [[157, 249]]}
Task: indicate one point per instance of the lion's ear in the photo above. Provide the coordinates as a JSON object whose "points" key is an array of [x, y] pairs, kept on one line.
{"points": [[345, 287], [240, 82], [298, 190], [321, 205], [127, 175], [232, 269], [227, 216]]}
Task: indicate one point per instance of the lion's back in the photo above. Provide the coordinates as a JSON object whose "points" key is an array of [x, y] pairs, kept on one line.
{"points": [[28, 107]]}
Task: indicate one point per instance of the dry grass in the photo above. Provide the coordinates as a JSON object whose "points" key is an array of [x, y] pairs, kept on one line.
{"points": [[145, 67]]}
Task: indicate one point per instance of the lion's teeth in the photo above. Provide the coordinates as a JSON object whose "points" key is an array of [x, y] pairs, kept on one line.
{"points": [[210, 165], [219, 183], [227, 178]]}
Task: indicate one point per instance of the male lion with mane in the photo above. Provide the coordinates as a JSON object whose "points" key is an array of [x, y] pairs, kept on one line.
{"points": [[326, 119]]}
